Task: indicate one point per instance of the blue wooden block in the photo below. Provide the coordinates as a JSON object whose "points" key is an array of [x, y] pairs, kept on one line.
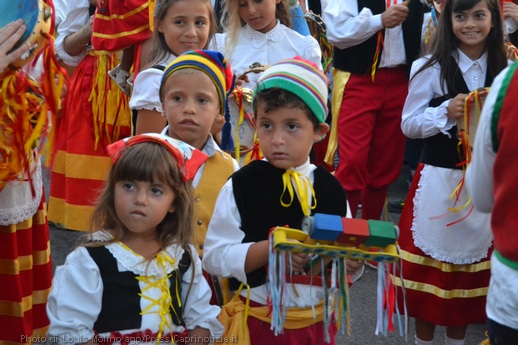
{"points": [[326, 227]]}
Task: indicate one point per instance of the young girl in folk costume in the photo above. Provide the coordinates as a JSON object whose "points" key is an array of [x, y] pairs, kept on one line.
{"points": [[290, 108], [444, 241], [95, 113], [194, 92], [258, 31], [179, 26], [137, 278]]}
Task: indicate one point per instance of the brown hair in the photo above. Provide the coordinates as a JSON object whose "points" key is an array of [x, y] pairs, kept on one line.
{"points": [[275, 98], [148, 162]]}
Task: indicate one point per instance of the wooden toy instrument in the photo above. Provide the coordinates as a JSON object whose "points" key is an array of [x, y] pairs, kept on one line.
{"points": [[332, 235], [331, 239]]}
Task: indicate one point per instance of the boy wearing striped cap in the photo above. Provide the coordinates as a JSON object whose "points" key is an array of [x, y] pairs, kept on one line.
{"points": [[193, 92], [290, 110]]}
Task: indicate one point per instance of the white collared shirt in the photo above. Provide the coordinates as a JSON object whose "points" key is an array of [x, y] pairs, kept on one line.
{"points": [[418, 119], [348, 26], [210, 149]]}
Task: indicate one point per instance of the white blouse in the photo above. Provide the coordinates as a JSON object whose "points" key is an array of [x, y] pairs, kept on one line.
{"points": [[253, 46], [146, 87], [75, 300]]}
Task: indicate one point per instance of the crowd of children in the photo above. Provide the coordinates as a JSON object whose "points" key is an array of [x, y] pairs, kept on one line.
{"points": [[143, 162]]}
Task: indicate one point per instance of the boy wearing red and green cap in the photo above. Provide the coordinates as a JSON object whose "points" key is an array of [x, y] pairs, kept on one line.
{"points": [[290, 109]]}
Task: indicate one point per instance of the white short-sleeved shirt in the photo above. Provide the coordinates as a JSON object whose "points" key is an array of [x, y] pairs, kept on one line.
{"points": [[146, 87]]}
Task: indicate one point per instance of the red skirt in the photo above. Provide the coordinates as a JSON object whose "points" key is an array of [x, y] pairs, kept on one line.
{"points": [[26, 276], [439, 292], [81, 162], [120, 24]]}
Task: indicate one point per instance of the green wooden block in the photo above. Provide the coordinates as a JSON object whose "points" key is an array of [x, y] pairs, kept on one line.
{"points": [[381, 234]]}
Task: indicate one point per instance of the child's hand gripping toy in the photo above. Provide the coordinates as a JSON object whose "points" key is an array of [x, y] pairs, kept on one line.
{"points": [[330, 240]]}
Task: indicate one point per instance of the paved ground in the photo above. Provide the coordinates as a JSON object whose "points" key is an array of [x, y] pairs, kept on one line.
{"points": [[362, 294]]}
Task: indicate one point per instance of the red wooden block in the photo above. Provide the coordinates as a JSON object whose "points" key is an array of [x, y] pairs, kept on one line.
{"points": [[354, 231]]}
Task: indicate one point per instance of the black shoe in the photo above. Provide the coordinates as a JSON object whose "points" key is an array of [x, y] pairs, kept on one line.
{"points": [[396, 206]]}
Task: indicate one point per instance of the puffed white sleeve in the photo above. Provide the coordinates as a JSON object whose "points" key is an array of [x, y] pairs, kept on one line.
{"points": [[71, 16], [224, 254], [198, 312], [75, 299], [419, 120], [145, 94], [313, 52], [347, 26]]}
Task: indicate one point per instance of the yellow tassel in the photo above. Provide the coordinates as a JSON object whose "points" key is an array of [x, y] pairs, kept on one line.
{"points": [[340, 79], [151, 9], [110, 106]]}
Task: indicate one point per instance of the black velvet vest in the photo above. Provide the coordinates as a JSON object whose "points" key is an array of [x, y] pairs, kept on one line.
{"points": [[358, 59], [121, 301], [258, 188]]}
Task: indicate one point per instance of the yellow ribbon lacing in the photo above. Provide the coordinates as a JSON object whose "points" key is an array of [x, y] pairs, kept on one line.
{"points": [[303, 189], [164, 302]]}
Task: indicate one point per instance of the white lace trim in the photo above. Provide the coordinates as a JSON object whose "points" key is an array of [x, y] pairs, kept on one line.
{"points": [[428, 250], [16, 201], [258, 39], [135, 263]]}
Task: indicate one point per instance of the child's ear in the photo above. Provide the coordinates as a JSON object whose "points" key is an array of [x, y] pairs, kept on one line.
{"points": [[321, 131], [172, 209], [160, 27]]}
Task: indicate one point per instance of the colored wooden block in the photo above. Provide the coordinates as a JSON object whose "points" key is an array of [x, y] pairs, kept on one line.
{"points": [[381, 233], [354, 232], [326, 227]]}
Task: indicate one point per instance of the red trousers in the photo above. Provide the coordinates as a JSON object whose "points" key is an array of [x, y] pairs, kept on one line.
{"points": [[370, 141]]}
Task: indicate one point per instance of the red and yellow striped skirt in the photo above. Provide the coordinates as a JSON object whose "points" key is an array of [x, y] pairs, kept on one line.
{"points": [[26, 276]]}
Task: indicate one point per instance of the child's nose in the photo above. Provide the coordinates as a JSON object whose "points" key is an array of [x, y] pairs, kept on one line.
{"points": [[190, 30], [189, 106], [277, 137], [141, 198]]}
